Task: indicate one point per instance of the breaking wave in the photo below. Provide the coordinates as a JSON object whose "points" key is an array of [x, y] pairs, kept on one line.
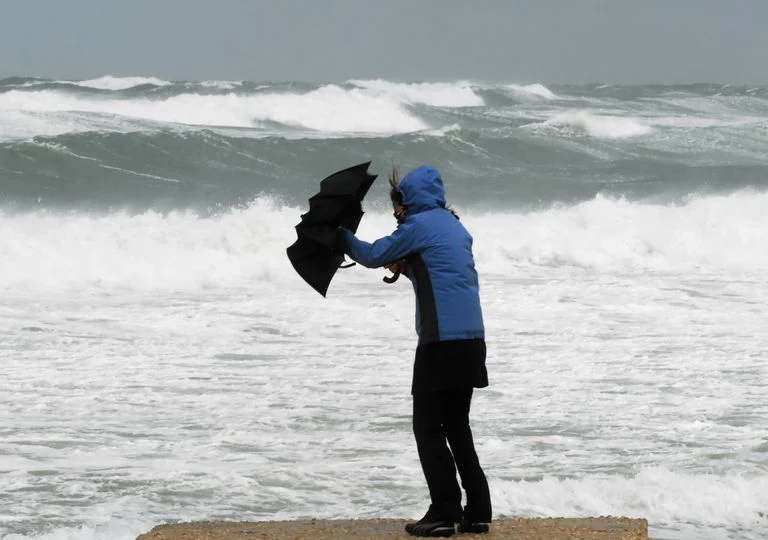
{"points": [[602, 126], [189, 251], [120, 141]]}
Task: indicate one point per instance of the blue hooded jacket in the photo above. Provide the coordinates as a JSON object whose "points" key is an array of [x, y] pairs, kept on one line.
{"points": [[438, 252]]}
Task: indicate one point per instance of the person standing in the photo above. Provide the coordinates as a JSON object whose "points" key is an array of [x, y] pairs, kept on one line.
{"points": [[432, 248]]}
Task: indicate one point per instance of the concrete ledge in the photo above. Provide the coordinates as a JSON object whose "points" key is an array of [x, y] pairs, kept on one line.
{"points": [[602, 528]]}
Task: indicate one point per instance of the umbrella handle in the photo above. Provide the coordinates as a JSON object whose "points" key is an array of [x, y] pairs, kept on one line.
{"points": [[392, 279]]}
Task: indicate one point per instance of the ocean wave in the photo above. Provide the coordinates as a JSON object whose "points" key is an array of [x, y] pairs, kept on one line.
{"points": [[688, 506], [110, 82], [375, 107], [536, 90], [227, 141], [163, 169], [184, 250], [328, 109], [105, 528], [458, 94], [600, 125], [680, 505], [222, 85], [149, 251], [707, 233], [16, 125]]}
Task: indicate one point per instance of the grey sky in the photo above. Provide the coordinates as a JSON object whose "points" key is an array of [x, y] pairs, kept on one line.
{"points": [[548, 41]]}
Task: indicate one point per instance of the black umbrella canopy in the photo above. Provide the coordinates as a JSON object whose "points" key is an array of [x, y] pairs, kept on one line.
{"points": [[314, 255]]}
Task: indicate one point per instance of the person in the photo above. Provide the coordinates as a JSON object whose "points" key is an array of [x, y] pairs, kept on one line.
{"points": [[431, 247]]}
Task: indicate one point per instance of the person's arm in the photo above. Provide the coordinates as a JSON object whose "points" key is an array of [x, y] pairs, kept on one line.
{"points": [[384, 250]]}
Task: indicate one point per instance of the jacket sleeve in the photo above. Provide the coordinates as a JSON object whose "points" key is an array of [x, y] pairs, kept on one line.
{"points": [[384, 250]]}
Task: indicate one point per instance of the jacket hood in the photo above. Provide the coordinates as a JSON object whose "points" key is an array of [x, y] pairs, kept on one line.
{"points": [[422, 189]]}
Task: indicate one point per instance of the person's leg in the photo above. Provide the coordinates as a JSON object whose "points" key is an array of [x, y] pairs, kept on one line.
{"points": [[459, 434], [436, 459]]}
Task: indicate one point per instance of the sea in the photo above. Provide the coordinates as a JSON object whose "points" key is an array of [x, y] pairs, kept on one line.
{"points": [[161, 361]]}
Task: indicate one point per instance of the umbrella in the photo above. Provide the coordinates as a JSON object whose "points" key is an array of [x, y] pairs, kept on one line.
{"points": [[314, 255]]}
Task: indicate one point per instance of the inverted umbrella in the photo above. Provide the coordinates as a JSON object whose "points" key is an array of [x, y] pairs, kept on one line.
{"points": [[314, 255]]}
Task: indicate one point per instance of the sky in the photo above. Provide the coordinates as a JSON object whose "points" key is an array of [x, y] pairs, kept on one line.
{"points": [[523, 41]]}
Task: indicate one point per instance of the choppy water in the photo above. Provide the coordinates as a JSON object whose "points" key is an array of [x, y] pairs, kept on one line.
{"points": [[162, 361], [143, 143]]}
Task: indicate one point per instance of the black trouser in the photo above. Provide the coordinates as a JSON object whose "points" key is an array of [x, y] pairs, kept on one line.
{"points": [[444, 416]]}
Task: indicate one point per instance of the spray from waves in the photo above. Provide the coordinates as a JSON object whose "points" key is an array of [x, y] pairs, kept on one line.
{"points": [[599, 125], [532, 90], [678, 505], [328, 109], [363, 107], [688, 504], [110, 82], [65, 146], [459, 94], [108, 529], [246, 247], [707, 234], [225, 85], [150, 251], [18, 125]]}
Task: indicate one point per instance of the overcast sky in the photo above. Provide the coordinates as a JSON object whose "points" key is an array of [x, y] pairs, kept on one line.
{"points": [[548, 41]]}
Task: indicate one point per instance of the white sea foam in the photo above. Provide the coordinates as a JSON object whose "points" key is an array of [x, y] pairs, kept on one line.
{"points": [[328, 109], [671, 501], [694, 122], [668, 499], [183, 251], [458, 94], [26, 124], [445, 130], [626, 357], [536, 90], [158, 367], [365, 107], [148, 251], [600, 125], [110, 82], [105, 528], [713, 233], [221, 85]]}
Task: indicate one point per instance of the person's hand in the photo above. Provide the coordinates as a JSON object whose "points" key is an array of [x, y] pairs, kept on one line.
{"points": [[396, 267]]}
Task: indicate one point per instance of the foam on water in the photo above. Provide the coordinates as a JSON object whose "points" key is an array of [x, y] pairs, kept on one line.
{"points": [[111, 529], [671, 501], [221, 85], [458, 94], [714, 233], [610, 393], [149, 251], [600, 125], [110, 82], [19, 124], [185, 251], [165, 366], [535, 90], [328, 109], [677, 505]]}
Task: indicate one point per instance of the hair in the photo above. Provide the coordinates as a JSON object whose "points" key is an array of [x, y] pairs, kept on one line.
{"points": [[394, 179]]}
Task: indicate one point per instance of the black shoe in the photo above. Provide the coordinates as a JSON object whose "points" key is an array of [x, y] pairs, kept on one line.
{"points": [[431, 524], [475, 522], [475, 528], [433, 529]]}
